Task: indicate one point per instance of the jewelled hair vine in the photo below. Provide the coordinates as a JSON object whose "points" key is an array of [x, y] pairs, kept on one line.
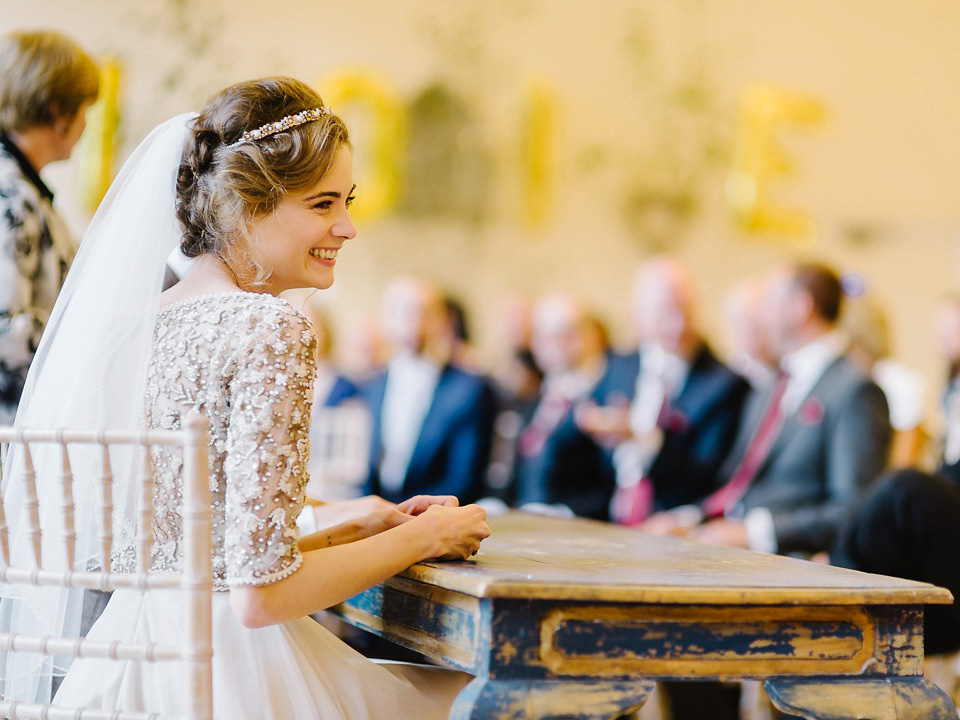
{"points": [[290, 121]]}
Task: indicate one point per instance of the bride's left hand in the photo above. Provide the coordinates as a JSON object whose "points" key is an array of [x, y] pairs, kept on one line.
{"points": [[329, 514], [382, 520], [419, 503]]}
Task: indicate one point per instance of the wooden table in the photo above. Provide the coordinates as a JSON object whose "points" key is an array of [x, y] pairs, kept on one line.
{"points": [[574, 618]]}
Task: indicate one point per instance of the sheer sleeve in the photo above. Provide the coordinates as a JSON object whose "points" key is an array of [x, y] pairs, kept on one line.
{"points": [[268, 448]]}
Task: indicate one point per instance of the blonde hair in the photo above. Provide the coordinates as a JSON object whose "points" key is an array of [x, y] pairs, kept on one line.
{"points": [[44, 76], [221, 190]]}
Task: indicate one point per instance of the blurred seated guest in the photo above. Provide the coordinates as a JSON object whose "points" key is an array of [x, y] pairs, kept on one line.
{"points": [[517, 375], [364, 349], [810, 446], [670, 408], [46, 85], [909, 526], [339, 425], [558, 470], [457, 333], [517, 379], [748, 353], [948, 342], [431, 420], [332, 387], [868, 337]]}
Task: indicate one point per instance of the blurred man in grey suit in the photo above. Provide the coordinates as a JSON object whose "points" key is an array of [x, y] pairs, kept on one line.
{"points": [[809, 446], [807, 449]]}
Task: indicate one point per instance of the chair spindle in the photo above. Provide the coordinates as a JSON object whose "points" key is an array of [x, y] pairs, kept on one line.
{"points": [[30, 503], [145, 534], [106, 505], [67, 506]]}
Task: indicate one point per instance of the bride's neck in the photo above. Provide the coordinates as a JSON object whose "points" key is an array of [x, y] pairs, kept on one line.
{"points": [[208, 275]]}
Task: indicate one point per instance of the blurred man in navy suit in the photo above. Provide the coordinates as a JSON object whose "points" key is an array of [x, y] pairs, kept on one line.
{"points": [[431, 420], [668, 410]]}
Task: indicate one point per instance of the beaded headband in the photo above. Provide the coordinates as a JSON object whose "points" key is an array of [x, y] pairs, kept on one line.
{"points": [[290, 121]]}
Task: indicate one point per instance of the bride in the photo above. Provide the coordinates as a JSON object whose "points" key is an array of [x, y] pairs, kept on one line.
{"points": [[257, 189]]}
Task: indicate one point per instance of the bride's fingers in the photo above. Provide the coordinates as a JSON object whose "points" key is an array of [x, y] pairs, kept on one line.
{"points": [[420, 503]]}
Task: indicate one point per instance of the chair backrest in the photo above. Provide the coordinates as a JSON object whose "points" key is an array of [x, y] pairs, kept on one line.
{"points": [[339, 452], [196, 581]]}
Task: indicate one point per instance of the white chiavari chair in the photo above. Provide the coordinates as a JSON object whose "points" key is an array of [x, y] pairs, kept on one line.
{"points": [[196, 581], [339, 452]]}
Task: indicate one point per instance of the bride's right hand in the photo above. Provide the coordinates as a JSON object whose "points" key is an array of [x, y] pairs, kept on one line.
{"points": [[452, 533]]}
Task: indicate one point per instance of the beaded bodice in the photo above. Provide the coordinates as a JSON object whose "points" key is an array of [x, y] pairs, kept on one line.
{"points": [[246, 361]]}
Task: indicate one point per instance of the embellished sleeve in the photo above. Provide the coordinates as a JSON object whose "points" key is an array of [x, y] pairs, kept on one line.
{"points": [[21, 231], [267, 449]]}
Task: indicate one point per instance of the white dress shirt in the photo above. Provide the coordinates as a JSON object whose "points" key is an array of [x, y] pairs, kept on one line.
{"points": [[411, 384], [951, 435], [806, 365], [661, 377]]}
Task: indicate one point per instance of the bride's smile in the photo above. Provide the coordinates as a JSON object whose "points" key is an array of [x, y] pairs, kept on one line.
{"points": [[301, 238]]}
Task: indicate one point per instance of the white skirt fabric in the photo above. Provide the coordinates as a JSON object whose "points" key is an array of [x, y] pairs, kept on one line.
{"points": [[294, 670]]}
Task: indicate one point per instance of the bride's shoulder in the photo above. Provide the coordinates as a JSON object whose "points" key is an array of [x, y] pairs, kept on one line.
{"points": [[255, 317], [241, 305], [267, 318], [267, 308]]}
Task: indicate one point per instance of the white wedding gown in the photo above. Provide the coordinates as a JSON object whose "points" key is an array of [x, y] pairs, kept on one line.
{"points": [[247, 361]]}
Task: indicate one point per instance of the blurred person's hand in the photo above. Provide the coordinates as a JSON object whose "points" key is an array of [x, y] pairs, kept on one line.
{"points": [[730, 533], [609, 425], [666, 523]]}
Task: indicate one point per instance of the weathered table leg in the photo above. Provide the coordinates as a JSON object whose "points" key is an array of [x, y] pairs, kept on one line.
{"points": [[882, 698], [485, 699]]}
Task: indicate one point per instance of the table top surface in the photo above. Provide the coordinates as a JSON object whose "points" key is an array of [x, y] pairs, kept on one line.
{"points": [[535, 557]]}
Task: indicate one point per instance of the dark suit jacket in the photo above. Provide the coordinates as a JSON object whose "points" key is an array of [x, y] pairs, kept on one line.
{"points": [[698, 433], [826, 455], [571, 470], [342, 390], [950, 471], [698, 428], [451, 453]]}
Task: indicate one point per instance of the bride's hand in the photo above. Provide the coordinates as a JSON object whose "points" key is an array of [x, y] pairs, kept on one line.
{"points": [[382, 520], [455, 532], [329, 514], [419, 503]]}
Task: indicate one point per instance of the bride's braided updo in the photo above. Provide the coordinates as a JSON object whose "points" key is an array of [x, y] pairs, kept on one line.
{"points": [[222, 189]]}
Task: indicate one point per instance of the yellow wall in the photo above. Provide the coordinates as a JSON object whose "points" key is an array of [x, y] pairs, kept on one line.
{"points": [[884, 166]]}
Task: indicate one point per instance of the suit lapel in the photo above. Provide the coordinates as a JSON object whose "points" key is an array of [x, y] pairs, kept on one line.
{"points": [[620, 381], [750, 421], [792, 423], [377, 390], [431, 435], [690, 402]]}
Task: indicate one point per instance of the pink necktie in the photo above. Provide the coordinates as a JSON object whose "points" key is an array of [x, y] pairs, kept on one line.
{"points": [[545, 419], [632, 504], [720, 501]]}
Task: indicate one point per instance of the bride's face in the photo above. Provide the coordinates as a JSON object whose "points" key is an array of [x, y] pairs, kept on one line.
{"points": [[301, 237]]}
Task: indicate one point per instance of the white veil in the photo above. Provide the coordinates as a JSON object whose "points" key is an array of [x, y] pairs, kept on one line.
{"points": [[89, 372]]}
